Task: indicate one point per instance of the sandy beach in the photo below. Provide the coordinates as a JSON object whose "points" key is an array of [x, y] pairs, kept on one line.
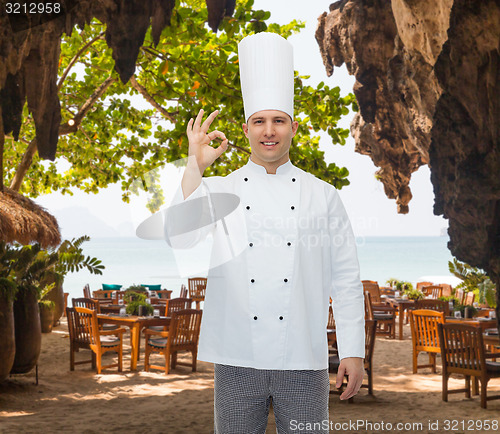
{"points": [[182, 402]]}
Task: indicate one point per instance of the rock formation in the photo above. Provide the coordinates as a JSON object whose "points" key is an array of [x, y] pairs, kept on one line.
{"points": [[30, 45], [428, 87]]}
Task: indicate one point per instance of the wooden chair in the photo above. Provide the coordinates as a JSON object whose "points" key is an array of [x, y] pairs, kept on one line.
{"points": [[424, 336], [437, 305], [101, 341], [197, 287], [433, 291], [334, 362], [463, 352], [182, 335], [116, 296], [164, 294], [330, 328], [172, 305], [184, 292], [86, 302], [368, 306], [86, 291], [447, 289], [384, 315], [77, 339], [469, 299], [372, 287], [421, 285], [90, 303]]}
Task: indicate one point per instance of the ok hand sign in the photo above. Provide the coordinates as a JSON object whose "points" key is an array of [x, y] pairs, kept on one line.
{"points": [[200, 139]]}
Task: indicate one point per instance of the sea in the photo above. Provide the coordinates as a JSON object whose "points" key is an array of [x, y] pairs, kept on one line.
{"points": [[130, 261]]}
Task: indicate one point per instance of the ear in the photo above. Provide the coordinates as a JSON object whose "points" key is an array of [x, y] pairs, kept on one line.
{"points": [[295, 125], [245, 129]]}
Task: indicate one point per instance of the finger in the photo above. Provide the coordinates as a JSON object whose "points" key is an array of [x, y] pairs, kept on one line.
{"points": [[189, 128], [216, 134], [340, 377], [349, 391], [209, 120], [197, 122], [353, 386]]}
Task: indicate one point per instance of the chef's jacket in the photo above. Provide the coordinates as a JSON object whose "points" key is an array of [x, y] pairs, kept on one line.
{"points": [[287, 248]]}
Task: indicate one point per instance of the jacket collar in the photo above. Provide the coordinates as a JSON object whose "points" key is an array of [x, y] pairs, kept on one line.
{"points": [[284, 169]]}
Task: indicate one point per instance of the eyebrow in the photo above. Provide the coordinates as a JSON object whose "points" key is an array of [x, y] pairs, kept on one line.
{"points": [[259, 118]]}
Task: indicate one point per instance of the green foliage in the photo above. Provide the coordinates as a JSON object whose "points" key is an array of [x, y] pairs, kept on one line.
{"points": [[26, 266], [133, 307], [46, 304], [191, 68], [30, 268], [474, 279], [135, 293], [72, 259], [8, 289], [401, 285], [461, 308], [487, 293], [413, 294]]}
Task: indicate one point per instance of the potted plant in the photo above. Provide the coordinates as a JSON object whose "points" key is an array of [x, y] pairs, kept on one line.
{"points": [[135, 298], [8, 291], [28, 271], [413, 294], [70, 259], [47, 309]]}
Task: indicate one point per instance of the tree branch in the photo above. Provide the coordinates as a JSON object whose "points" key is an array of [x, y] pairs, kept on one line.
{"points": [[65, 128], [75, 58], [23, 166], [84, 109], [147, 96]]}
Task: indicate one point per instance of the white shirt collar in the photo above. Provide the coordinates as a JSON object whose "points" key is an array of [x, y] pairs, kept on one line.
{"points": [[257, 168]]}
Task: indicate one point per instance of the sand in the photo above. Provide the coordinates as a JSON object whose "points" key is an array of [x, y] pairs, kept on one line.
{"points": [[182, 402]]}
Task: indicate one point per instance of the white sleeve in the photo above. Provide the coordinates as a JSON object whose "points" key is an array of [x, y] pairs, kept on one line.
{"points": [[346, 289], [186, 222]]}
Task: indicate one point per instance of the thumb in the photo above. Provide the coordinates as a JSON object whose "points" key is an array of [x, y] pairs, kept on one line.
{"points": [[222, 148]]}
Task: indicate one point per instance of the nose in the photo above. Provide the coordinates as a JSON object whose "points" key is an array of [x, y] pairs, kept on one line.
{"points": [[269, 129]]}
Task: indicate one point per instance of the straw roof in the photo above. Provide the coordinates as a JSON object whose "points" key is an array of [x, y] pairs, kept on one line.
{"points": [[24, 221]]}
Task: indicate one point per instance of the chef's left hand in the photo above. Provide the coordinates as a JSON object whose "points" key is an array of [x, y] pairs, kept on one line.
{"points": [[352, 367]]}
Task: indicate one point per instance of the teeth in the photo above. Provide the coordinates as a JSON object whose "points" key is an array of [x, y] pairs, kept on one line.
{"points": [[269, 143]]}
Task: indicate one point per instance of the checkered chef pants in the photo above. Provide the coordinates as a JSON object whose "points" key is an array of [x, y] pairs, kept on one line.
{"points": [[242, 397]]}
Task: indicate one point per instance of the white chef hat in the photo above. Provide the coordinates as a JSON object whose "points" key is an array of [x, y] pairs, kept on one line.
{"points": [[266, 73]]}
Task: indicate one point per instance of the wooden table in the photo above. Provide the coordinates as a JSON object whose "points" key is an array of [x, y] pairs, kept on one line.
{"points": [[115, 308], [483, 323], [401, 305], [135, 324]]}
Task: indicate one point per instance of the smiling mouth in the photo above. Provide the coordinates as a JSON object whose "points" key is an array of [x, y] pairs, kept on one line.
{"points": [[269, 144]]}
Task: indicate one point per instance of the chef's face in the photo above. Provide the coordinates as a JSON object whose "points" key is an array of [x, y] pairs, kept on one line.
{"points": [[270, 134]]}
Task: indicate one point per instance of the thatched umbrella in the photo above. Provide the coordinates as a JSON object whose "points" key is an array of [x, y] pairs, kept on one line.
{"points": [[24, 221]]}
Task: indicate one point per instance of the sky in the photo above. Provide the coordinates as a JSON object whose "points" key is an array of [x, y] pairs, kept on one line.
{"points": [[370, 211]]}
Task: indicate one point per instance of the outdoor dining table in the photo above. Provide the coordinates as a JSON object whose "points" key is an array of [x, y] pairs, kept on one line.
{"points": [[401, 305], [135, 324], [484, 323], [115, 308]]}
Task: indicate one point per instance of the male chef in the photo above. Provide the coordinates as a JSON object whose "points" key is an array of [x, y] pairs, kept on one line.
{"points": [[266, 306]]}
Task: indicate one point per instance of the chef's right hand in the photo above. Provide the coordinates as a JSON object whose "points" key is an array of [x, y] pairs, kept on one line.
{"points": [[200, 140]]}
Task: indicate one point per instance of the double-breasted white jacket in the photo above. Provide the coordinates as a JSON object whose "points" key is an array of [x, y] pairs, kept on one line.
{"points": [[276, 261]]}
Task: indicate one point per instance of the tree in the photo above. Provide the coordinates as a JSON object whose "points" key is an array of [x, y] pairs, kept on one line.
{"points": [[105, 139]]}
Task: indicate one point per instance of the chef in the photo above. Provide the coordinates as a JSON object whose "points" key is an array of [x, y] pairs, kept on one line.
{"points": [[278, 258]]}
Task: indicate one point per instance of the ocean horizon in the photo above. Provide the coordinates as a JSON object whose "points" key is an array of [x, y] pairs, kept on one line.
{"points": [[130, 260]]}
